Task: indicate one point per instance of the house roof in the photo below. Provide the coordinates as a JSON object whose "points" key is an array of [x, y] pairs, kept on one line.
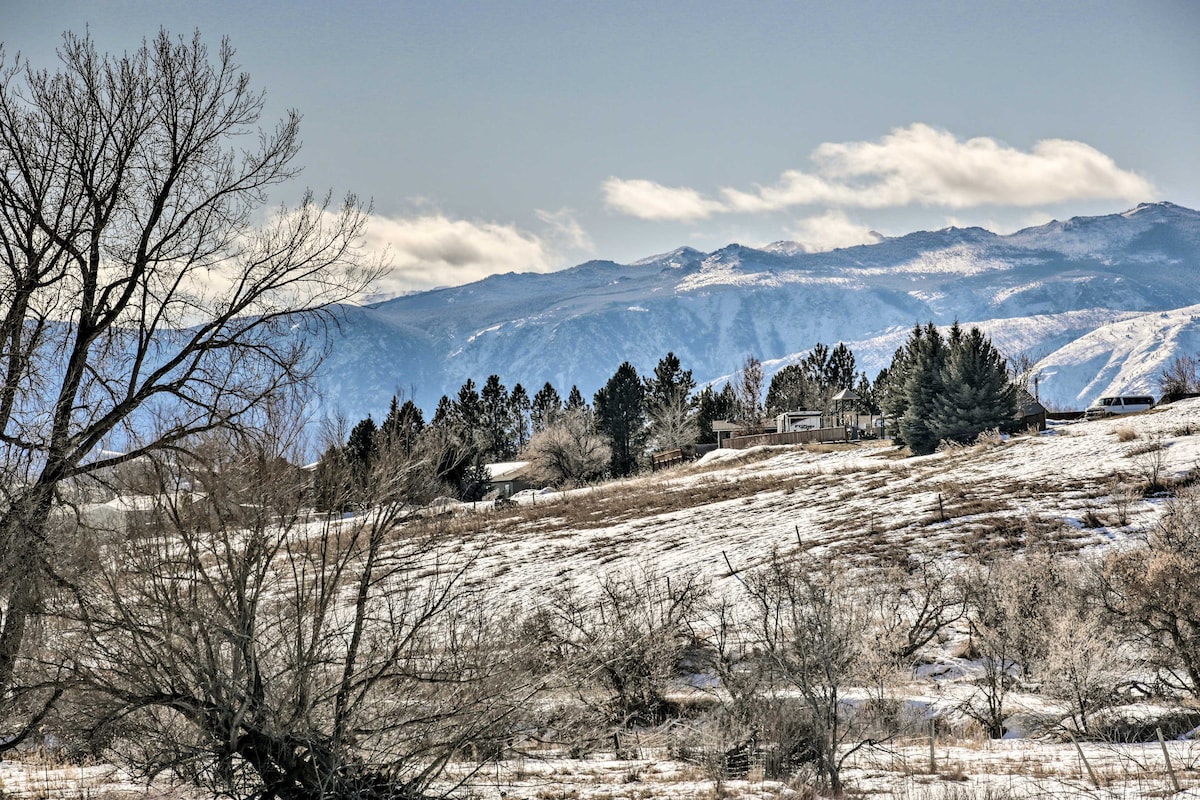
{"points": [[1027, 404], [506, 470]]}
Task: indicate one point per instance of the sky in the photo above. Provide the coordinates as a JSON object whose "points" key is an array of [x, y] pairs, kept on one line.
{"points": [[492, 137]]}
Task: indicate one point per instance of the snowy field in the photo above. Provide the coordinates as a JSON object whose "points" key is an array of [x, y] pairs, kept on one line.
{"points": [[1067, 489]]}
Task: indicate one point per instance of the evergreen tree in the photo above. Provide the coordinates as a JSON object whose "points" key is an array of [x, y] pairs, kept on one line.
{"points": [[403, 425], [468, 408], [620, 414], [670, 381], [495, 418], [790, 390], [816, 374], [669, 405], [840, 369], [443, 415], [545, 407], [575, 401], [712, 406], [867, 400], [361, 449], [519, 410], [332, 489], [922, 383], [977, 393]]}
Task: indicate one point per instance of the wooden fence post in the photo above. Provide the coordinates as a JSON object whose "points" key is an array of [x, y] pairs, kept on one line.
{"points": [[1167, 757]]}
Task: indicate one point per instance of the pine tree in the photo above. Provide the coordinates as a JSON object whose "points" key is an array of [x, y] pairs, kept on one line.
{"points": [[495, 418], [575, 401], [670, 408], [620, 414], [977, 394], [790, 390], [519, 410], [922, 383], [839, 370], [712, 406], [361, 449], [403, 425], [545, 407]]}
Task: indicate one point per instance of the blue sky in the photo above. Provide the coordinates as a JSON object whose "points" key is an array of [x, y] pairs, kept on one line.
{"points": [[493, 136]]}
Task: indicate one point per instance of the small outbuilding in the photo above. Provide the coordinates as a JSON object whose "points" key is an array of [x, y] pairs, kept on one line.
{"points": [[1030, 412], [792, 421]]}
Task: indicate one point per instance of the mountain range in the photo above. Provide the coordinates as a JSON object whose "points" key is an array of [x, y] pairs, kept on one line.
{"points": [[1101, 304]]}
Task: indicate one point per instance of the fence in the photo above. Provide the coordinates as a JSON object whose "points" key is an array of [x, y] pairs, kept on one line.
{"points": [[791, 437]]}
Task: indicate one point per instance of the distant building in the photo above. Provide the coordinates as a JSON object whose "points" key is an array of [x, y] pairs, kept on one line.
{"points": [[792, 421], [1030, 413], [508, 477]]}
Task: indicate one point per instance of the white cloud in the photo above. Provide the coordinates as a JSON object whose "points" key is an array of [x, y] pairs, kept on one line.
{"points": [[829, 231], [565, 231], [649, 200], [433, 250], [917, 165]]}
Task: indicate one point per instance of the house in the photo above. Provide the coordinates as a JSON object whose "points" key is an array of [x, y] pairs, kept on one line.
{"points": [[508, 477]]}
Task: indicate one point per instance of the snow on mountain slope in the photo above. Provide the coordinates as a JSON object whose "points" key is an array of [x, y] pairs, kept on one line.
{"points": [[1035, 291], [1126, 355]]}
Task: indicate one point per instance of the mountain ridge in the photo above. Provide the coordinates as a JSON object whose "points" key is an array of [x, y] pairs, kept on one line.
{"points": [[1044, 286]]}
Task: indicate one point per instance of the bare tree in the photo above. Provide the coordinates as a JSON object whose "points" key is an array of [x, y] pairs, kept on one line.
{"points": [[811, 624], [748, 388], [251, 648], [1153, 594], [1083, 664], [673, 422], [1180, 377], [1008, 609], [568, 451], [139, 302]]}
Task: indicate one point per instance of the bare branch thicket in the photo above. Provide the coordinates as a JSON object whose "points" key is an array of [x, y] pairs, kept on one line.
{"points": [[246, 645], [141, 302], [621, 646], [1152, 593], [568, 451], [1008, 609], [811, 622]]}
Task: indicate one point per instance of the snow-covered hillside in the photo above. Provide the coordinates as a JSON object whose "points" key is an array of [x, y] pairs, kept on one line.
{"points": [[860, 500], [1057, 293]]}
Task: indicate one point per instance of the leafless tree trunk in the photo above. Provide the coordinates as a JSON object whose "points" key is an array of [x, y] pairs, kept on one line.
{"points": [[139, 303]]}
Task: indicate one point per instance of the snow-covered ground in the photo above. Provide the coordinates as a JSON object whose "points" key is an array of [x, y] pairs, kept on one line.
{"points": [[862, 501]]}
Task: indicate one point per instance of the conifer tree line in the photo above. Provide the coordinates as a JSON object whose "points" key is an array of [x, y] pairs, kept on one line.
{"points": [[936, 388]]}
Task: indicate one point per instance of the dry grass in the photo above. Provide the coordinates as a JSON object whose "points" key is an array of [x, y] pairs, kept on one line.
{"points": [[1126, 434]]}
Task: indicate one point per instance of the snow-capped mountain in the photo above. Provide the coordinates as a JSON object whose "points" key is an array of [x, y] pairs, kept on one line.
{"points": [[1102, 303]]}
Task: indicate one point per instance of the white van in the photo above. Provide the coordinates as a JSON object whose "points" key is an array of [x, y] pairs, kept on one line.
{"points": [[1119, 404]]}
